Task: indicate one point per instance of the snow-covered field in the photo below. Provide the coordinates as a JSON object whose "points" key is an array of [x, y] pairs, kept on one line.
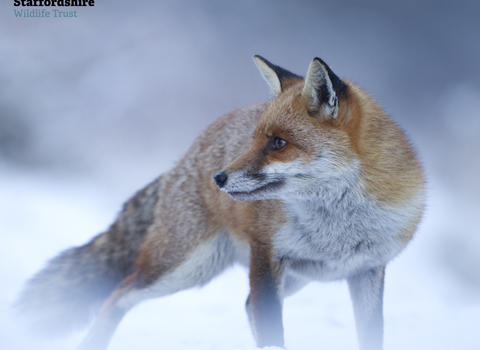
{"points": [[93, 108], [425, 308]]}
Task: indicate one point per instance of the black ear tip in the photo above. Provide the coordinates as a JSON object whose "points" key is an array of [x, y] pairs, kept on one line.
{"points": [[338, 85], [258, 57], [322, 62]]}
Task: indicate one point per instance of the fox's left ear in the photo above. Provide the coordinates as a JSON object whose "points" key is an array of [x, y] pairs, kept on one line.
{"points": [[277, 78], [322, 89]]}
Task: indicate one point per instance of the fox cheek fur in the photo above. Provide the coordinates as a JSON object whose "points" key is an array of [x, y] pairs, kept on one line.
{"points": [[314, 153], [328, 188]]}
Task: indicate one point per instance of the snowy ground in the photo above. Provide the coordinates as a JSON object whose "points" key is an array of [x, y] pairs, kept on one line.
{"points": [[424, 307]]}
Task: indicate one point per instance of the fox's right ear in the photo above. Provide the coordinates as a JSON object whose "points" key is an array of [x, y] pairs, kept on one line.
{"points": [[277, 78], [322, 89]]}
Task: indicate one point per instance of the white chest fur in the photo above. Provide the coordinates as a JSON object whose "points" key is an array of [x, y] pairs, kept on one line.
{"points": [[332, 239]]}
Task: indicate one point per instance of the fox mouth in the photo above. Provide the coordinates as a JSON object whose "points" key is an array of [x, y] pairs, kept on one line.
{"points": [[262, 192]]}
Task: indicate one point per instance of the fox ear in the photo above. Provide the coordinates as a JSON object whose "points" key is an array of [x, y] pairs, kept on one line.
{"points": [[322, 89], [277, 78]]}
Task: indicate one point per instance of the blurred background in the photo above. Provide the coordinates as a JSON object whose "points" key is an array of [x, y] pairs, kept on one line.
{"points": [[94, 107]]}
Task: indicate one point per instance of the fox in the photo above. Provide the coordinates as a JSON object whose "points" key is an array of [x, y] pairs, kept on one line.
{"points": [[317, 183]]}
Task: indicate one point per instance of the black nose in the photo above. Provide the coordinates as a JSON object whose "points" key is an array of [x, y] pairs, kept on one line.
{"points": [[220, 179]]}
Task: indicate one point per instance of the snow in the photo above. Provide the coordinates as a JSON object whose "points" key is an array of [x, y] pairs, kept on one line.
{"points": [[425, 307]]}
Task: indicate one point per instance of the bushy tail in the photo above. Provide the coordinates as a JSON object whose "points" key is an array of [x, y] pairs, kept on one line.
{"points": [[68, 292]]}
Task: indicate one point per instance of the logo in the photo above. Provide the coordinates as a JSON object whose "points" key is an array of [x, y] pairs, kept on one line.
{"points": [[55, 12]]}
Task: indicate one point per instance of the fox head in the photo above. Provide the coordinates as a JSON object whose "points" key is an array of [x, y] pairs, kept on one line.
{"points": [[302, 144]]}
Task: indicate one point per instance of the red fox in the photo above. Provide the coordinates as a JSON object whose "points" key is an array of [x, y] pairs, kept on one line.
{"points": [[316, 184]]}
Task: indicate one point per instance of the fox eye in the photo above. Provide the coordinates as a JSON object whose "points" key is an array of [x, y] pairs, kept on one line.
{"points": [[279, 143]]}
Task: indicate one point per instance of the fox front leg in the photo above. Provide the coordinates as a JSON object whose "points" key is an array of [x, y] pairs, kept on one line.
{"points": [[366, 292], [264, 304]]}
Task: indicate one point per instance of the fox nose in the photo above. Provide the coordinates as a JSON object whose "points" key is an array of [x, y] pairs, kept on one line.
{"points": [[220, 179]]}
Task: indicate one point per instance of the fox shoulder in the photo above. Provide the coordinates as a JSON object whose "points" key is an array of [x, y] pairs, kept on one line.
{"points": [[390, 166]]}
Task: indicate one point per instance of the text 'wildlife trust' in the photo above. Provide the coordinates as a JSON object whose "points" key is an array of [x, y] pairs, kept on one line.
{"points": [[29, 12]]}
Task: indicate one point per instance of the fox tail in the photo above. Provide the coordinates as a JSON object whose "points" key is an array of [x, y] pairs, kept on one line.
{"points": [[70, 290]]}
